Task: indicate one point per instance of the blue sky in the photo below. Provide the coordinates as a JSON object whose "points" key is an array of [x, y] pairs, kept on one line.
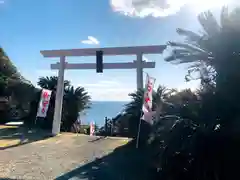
{"points": [[29, 26]]}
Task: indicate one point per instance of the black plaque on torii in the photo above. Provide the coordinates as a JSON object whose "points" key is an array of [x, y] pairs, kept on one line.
{"points": [[99, 61]]}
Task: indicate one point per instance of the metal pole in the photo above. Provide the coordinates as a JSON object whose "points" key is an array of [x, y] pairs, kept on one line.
{"points": [[138, 134], [139, 86], [59, 98]]}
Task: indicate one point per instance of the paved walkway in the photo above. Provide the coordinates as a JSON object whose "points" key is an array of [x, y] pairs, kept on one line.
{"points": [[59, 157]]}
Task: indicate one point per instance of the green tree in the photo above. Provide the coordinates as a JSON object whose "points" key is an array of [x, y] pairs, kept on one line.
{"points": [[74, 101], [213, 55], [51, 82], [14, 86], [185, 104], [7, 68], [160, 97], [3, 85], [134, 107]]}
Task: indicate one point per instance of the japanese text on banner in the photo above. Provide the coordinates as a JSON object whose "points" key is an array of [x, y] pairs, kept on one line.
{"points": [[44, 103]]}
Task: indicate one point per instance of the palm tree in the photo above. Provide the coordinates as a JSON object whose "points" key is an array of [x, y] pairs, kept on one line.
{"points": [[206, 52], [161, 103], [214, 55], [134, 107], [160, 97], [75, 101], [51, 82]]}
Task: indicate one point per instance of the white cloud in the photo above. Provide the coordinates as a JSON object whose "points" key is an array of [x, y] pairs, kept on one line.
{"points": [[162, 8], [142, 8], [91, 40]]}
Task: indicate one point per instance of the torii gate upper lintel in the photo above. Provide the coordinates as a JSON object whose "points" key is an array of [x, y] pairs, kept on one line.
{"points": [[139, 64]]}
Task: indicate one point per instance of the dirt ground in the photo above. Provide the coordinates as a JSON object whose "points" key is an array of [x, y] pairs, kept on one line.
{"points": [[51, 158]]}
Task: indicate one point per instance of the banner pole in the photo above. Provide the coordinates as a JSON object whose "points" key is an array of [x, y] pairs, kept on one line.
{"points": [[139, 129], [35, 122], [139, 124]]}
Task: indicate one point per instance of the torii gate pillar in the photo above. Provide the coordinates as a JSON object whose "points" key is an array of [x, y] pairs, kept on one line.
{"points": [[59, 98], [139, 71]]}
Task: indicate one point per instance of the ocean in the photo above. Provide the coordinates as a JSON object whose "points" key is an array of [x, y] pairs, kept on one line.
{"points": [[101, 109]]}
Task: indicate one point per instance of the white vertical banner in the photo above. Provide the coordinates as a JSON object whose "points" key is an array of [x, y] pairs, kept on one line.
{"points": [[147, 102], [92, 128], [44, 103], [147, 105]]}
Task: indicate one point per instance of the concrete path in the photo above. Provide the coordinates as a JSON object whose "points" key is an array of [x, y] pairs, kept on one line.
{"points": [[61, 157]]}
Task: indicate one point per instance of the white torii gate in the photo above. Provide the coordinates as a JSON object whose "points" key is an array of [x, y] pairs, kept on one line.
{"points": [[139, 64]]}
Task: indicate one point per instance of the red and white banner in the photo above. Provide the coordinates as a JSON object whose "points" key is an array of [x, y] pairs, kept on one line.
{"points": [[147, 103], [44, 103], [92, 128]]}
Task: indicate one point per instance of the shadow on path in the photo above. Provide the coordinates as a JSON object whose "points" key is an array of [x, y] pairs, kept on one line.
{"points": [[13, 136], [9, 179], [124, 163], [97, 139]]}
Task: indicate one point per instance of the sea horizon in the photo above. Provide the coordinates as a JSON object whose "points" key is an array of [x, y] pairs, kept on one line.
{"points": [[100, 109]]}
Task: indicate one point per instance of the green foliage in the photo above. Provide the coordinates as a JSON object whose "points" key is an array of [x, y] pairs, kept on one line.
{"points": [[133, 108], [3, 84], [14, 86], [75, 100], [7, 68], [214, 55], [198, 132], [51, 82]]}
